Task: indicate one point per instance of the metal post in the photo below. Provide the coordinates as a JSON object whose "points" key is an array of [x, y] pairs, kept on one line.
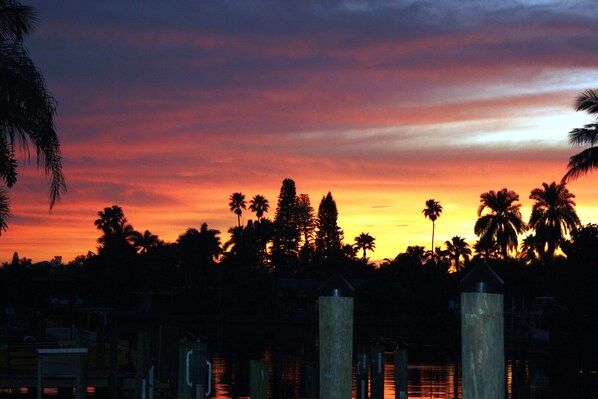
{"points": [[377, 371], [336, 338], [482, 334]]}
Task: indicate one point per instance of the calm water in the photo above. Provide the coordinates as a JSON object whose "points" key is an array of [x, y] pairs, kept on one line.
{"points": [[434, 370]]}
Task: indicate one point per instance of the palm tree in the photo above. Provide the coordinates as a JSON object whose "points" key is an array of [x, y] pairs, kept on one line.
{"points": [[4, 210], [365, 242], [553, 216], [457, 248], [110, 219], [26, 108], [146, 242], [432, 211], [237, 203], [503, 222], [486, 248], [209, 244], [118, 235], [259, 204], [587, 160], [529, 247]]}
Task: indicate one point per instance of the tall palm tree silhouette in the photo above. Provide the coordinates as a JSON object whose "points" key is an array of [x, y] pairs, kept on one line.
{"points": [[457, 248], [27, 108], [237, 204], [432, 211], [553, 216], [259, 205], [365, 242], [503, 222], [587, 160], [118, 235]]}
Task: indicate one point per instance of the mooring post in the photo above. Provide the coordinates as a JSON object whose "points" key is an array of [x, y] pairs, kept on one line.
{"points": [[259, 372], [362, 372], [482, 334], [377, 371], [401, 375], [336, 338], [193, 377]]}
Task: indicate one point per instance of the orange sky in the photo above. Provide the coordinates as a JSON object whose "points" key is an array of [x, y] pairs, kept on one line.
{"points": [[166, 109]]}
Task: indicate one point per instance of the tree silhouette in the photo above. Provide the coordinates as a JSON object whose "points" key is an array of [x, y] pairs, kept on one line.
{"points": [[486, 248], [329, 236], [243, 249], [457, 248], [587, 160], [118, 234], [209, 244], [285, 240], [305, 219], [503, 222], [432, 211], [553, 216], [199, 249], [259, 205], [237, 204], [365, 242], [26, 108], [146, 242], [529, 248]]}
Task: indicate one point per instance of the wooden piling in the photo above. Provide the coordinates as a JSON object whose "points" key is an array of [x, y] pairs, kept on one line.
{"points": [[401, 375], [362, 373], [193, 376], [259, 372], [336, 338], [482, 334], [377, 371]]}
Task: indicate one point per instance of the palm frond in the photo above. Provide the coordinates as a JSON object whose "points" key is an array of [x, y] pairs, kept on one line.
{"points": [[587, 135], [16, 20], [580, 164], [587, 101], [4, 211]]}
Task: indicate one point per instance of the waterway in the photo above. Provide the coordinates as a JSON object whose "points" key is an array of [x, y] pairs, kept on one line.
{"points": [[434, 369]]}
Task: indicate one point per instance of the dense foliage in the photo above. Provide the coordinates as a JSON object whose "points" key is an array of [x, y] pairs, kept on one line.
{"points": [[270, 267]]}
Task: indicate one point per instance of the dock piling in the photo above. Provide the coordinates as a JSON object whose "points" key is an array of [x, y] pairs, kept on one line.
{"points": [[401, 376], [482, 334], [336, 338], [377, 371]]}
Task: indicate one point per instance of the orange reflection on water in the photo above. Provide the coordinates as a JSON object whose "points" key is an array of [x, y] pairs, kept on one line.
{"points": [[287, 379]]}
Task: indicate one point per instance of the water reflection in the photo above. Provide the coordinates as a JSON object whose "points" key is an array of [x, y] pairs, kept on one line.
{"points": [[433, 372]]}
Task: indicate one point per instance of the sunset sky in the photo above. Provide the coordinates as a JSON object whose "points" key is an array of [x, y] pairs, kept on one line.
{"points": [[167, 107]]}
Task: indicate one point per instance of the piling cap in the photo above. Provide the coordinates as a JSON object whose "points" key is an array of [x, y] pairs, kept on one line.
{"points": [[483, 280], [336, 285]]}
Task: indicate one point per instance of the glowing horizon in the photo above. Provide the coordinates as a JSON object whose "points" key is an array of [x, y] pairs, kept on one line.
{"points": [[165, 110]]}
